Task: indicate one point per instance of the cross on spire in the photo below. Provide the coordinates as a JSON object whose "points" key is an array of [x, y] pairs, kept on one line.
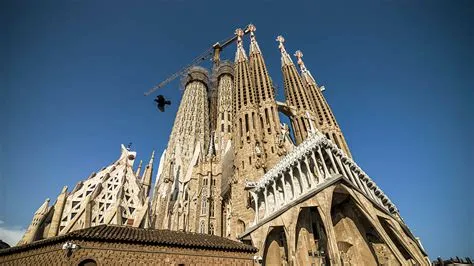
{"points": [[299, 55], [285, 57], [240, 53], [254, 48]]}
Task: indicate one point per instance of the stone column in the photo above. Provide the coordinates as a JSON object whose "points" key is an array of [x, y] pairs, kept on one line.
{"points": [[324, 199], [329, 152], [316, 166], [255, 198], [309, 174], [265, 201], [275, 198], [58, 212], [326, 172], [292, 177], [285, 192], [302, 176]]}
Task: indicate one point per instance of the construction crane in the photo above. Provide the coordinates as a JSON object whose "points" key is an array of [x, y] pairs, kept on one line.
{"points": [[214, 52]]}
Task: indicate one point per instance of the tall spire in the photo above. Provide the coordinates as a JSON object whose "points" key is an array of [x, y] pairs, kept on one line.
{"points": [[326, 121], [246, 135], [146, 179], [240, 53], [269, 125], [296, 95], [285, 57], [152, 157]]}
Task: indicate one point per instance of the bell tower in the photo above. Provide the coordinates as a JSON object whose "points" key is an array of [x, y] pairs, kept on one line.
{"points": [[248, 151], [269, 121], [296, 96], [326, 121]]}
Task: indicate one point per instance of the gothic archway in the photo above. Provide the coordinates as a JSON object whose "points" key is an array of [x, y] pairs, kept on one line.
{"points": [[357, 239], [391, 232], [276, 248], [310, 240]]}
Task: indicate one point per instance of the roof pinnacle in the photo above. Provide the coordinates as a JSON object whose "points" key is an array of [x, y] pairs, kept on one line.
{"points": [[137, 173], [285, 57], [152, 157]]}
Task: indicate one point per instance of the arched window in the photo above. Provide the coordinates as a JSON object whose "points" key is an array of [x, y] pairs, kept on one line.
{"points": [[211, 229], [204, 202], [202, 228]]}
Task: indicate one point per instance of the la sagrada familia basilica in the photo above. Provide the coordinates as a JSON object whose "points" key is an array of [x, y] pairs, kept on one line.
{"points": [[234, 170]]}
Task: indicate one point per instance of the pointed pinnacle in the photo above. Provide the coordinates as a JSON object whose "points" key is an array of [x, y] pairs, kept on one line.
{"points": [[299, 55], [285, 57]]}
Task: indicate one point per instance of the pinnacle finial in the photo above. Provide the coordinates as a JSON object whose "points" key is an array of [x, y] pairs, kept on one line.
{"points": [[299, 55], [254, 48], [252, 29], [281, 40], [240, 53], [285, 57], [239, 32], [307, 77], [152, 157]]}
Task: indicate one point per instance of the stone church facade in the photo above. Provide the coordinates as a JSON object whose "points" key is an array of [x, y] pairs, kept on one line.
{"points": [[232, 169]]}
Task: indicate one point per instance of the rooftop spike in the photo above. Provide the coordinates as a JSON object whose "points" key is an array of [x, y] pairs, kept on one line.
{"points": [[307, 77], [254, 48], [152, 157], [285, 57], [137, 173], [240, 53]]}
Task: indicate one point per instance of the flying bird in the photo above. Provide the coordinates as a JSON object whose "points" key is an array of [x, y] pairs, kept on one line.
{"points": [[161, 102]]}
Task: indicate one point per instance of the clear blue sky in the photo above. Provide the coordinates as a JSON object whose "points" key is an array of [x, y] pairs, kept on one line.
{"points": [[398, 74]]}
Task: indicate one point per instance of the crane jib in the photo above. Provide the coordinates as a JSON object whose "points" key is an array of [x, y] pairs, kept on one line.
{"points": [[214, 50]]}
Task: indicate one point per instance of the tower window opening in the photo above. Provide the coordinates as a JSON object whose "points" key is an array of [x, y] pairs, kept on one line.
{"points": [[241, 131], [246, 123], [266, 116], [203, 203], [253, 120], [250, 160]]}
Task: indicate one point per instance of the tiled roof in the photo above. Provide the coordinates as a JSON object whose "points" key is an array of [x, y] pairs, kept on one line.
{"points": [[125, 234]]}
